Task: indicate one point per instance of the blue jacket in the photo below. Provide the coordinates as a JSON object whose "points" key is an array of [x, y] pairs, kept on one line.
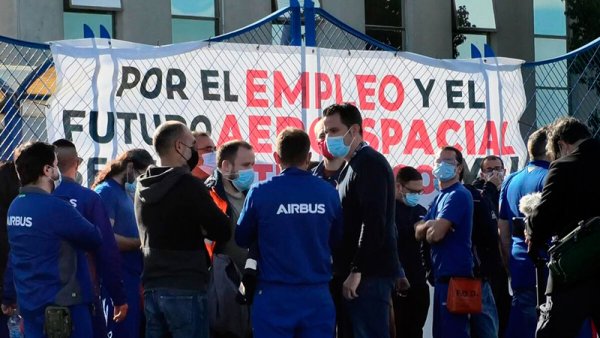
{"points": [[296, 218], [45, 235], [106, 259]]}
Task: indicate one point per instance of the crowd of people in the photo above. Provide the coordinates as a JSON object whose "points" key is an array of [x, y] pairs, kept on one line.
{"points": [[191, 246]]}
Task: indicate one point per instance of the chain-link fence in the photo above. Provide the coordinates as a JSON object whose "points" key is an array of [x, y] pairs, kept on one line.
{"points": [[406, 128]]}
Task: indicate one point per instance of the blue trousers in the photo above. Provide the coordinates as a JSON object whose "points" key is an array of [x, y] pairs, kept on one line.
{"points": [[176, 313], [291, 311], [523, 316], [446, 324], [370, 312], [80, 315], [130, 327], [485, 324]]}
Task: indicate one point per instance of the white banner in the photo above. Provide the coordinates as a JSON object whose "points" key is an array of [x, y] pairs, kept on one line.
{"points": [[113, 94]]}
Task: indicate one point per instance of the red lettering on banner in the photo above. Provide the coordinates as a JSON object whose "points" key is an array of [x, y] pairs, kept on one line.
{"points": [[282, 122], [253, 88], [489, 139], [425, 169], [257, 133], [364, 93], [506, 149], [394, 81], [391, 134], [418, 139], [230, 130], [442, 132], [282, 87], [321, 93], [470, 136], [263, 169], [371, 138]]}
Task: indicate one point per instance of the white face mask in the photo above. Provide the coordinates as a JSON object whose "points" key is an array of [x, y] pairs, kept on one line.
{"points": [[57, 180], [209, 162]]}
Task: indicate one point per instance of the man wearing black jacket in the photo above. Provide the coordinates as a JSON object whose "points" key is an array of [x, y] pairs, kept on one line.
{"points": [[175, 213], [490, 179], [570, 195], [368, 259]]}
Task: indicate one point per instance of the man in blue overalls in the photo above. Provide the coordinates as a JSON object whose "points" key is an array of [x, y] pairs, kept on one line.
{"points": [[103, 261], [46, 235], [295, 218]]}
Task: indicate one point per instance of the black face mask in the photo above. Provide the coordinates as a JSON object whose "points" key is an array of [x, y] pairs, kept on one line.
{"points": [[193, 161]]}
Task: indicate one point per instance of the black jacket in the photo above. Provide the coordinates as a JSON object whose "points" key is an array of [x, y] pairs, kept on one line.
{"points": [[490, 192], [9, 189], [410, 251], [367, 192], [175, 213], [570, 194]]}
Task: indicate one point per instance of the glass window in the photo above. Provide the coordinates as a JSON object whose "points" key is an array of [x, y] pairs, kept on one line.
{"points": [[383, 13], [479, 13], [74, 21], [549, 48], [285, 3], [551, 104], [388, 36], [553, 74], [464, 49], [192, 30], [202, 8], [549, 17]]}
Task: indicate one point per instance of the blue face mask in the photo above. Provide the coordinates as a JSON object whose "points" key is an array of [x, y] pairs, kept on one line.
{"points": [[444, 172], [244, 180], [336, 145], [412, 199]]}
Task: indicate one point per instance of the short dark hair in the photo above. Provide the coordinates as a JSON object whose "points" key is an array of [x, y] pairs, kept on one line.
{"points": [[491, 158], [459, 158], [407, 174], [228, 151], [569, 130], [292, 146], [65, 162], [63, 143], [32, 160], [349, 114], [165, 135], [537, 144]]}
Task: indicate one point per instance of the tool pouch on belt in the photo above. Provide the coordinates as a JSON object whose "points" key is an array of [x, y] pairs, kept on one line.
{"points": [[577, 255], [57, 322], [464, 295]]}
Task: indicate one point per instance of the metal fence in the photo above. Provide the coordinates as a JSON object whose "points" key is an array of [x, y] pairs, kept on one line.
{"points": [[567, 85]]}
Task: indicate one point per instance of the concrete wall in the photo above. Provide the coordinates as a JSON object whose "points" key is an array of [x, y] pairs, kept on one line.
{"points": [[428, 26], [514, 24], [350, 12], [147, 21], [32, 20]]}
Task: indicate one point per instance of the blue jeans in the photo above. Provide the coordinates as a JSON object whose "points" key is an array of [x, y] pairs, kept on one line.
{"points": [[523, 315], [180, 313], [446, 324], [293, 311], [370, 312], [485, 324]]}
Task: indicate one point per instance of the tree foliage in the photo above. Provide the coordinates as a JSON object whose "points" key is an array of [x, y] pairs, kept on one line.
{"points": [[462, 21]]}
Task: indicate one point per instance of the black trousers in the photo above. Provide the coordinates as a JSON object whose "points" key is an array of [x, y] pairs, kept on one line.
{"points": [[566, 309], [499, 284], [410, 312]]}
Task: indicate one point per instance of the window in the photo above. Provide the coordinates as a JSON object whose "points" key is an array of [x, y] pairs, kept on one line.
{"points": [[193, 20], [383, 21], [74, 21], [473, 20]]}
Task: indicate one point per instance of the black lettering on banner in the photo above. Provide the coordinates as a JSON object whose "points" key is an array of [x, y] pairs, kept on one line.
{"points": [[208, 85], [110, 127], [145, 135], [127, 117], [451, 93], [176, 87], [157, 87], [201, 119], [228, 96], [425, 91], [472, 103], [125, 83], [175, 118], [92, 168], [67, 126]]}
